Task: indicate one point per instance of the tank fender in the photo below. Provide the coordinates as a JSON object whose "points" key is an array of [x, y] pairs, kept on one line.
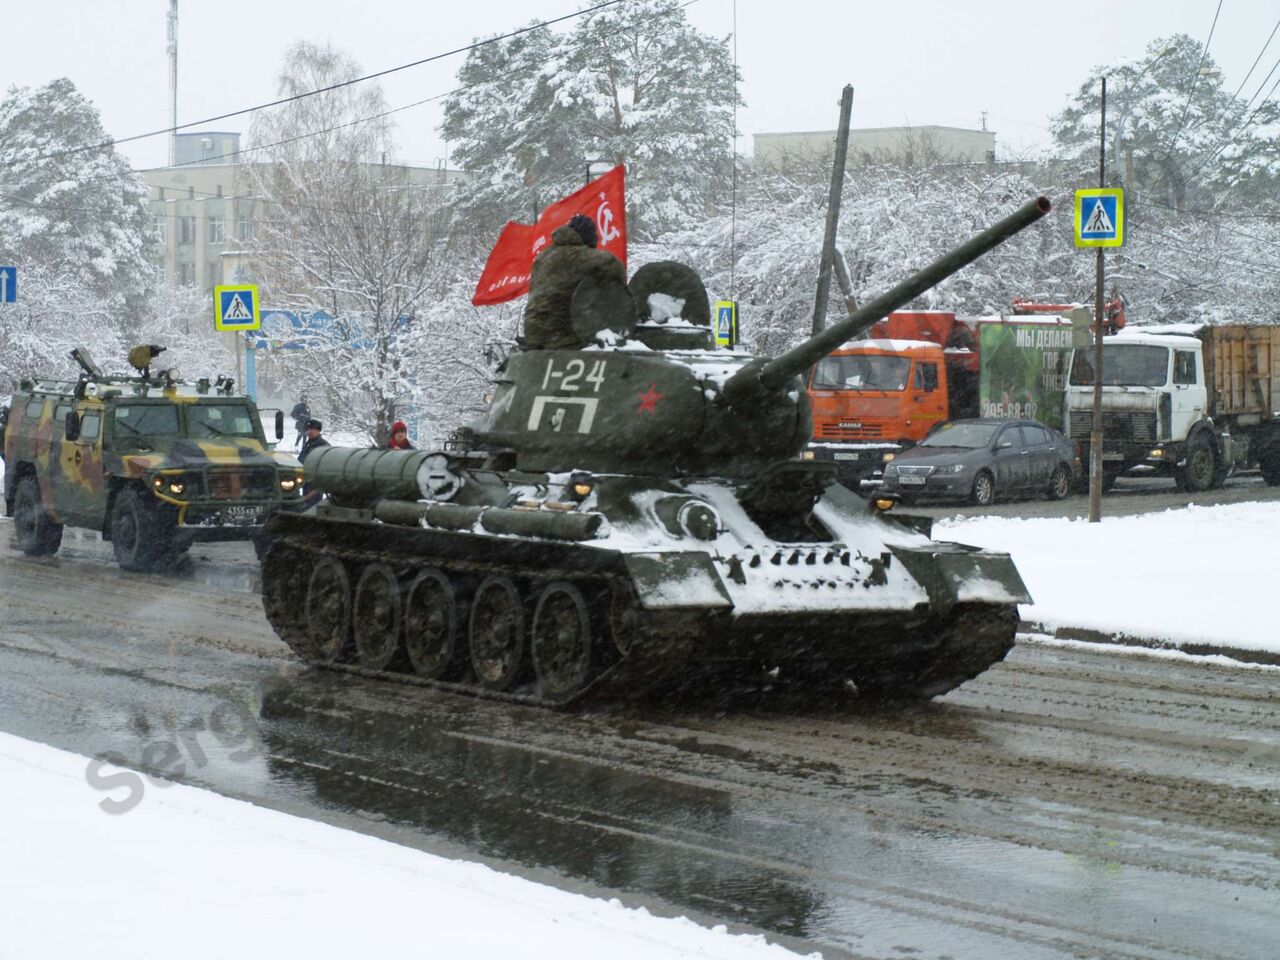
{"points": [[673, 581], [953, 573]]}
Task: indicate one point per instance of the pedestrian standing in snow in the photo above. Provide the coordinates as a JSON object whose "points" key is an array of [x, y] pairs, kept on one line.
{"points": [[399, 437], [300, 414], [571, 258]]}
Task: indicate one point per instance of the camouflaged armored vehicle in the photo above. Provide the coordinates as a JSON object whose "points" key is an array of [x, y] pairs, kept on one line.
{"points": [[153, 463], [632, 514]]}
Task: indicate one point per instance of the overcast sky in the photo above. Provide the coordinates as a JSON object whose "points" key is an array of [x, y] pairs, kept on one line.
{"points": [[912, 62]]}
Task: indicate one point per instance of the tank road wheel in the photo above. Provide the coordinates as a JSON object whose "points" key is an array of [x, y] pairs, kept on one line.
{"points": [[431, 627], [984, 490], [38, 536], [1060, 483], [377, 617], [137, 537], [328, 610], [624, 618], [561, 641], [496, 633], [1201, 465]]}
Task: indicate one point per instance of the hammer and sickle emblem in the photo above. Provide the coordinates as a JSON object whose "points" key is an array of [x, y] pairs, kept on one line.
{"points": [[604, 224]]}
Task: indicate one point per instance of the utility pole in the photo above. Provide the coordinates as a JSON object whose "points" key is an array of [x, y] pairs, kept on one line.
{"points": [[173, 81], [1095, 438], [833, 212]]}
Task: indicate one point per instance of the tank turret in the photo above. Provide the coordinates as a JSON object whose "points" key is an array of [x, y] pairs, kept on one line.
{"points": [[631, 514], [692, 412]]}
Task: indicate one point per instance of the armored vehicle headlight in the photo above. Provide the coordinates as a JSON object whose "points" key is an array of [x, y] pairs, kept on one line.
{"points": [[157, 482], [699, 520], [176, 487], [290, 483]]}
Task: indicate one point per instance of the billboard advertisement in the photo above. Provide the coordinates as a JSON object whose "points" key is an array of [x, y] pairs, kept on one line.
{"points": [[1024, 369]]}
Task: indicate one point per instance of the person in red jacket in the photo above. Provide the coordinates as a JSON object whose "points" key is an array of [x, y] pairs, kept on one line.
{"points": [[399, 437]]}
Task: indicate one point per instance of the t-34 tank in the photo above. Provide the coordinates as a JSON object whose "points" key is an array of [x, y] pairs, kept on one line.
{"points": [[631, 515]]}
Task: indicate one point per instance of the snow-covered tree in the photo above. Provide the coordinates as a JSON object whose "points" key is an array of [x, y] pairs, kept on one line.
{"points": [[74, 220], [365, 242], [634, 84], [1173, 128]]}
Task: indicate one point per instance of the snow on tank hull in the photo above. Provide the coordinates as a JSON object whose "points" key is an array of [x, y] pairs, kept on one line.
{"points": [[642, 586]]}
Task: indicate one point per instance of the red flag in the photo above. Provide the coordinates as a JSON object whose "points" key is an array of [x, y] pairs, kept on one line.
{"points": [[506, 272]]}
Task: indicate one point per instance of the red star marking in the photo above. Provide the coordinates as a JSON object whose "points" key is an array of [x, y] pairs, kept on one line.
{"points": [[649, 400]]}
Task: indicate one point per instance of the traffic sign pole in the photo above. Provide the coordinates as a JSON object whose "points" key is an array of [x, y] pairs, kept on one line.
{"points": [[1096, 437]]}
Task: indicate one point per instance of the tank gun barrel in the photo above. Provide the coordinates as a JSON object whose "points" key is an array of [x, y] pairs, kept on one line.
{"points": [[775, 373]]}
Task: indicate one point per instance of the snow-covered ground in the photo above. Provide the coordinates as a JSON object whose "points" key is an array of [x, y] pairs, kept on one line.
{"points": [[192, 874], [1188, 576]]}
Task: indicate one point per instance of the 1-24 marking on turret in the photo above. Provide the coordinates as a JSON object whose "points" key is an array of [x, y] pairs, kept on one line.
{"points": [[573, 372]]}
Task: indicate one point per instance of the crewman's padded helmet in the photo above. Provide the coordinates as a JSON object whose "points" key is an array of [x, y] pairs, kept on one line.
{"points": [[585, 228]]}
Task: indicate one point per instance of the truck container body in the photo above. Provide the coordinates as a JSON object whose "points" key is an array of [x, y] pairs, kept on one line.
{"points": [[1190, 402]]}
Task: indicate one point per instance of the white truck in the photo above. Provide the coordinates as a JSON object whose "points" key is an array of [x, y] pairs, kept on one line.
{"points": [[1189, 402]]}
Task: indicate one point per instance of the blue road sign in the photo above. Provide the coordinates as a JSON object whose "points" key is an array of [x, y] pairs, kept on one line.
{"points": [[726, 323], [236, 307], [8, 284], [1099, 218]]}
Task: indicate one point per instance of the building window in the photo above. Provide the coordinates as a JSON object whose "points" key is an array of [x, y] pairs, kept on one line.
{"points": [[186, 230], [161, 233], [244, 229], [215, 229], [187, 274]]}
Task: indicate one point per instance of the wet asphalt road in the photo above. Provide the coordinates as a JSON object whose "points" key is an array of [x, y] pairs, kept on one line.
{"points": [[1068, 803]]}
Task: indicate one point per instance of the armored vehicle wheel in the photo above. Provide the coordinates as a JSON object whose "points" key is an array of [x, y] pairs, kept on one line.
{"points": [[431, 636], [38, 536], [137, 538], [561, 641], [377, 617], [496, 633], [328, 610], [1060, 483]]}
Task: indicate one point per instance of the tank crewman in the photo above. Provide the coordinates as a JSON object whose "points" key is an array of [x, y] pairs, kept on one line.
{"points": [[571, 258], [314, 440], [399, 437]]}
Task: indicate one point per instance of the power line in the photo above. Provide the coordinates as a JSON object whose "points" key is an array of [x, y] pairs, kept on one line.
{"points": [[333, 86], [1204, 55]]}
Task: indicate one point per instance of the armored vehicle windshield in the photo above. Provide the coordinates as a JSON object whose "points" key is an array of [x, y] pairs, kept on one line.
{"points": [[140, 424]]}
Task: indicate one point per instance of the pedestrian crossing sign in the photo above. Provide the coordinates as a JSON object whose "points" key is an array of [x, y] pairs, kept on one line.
{"points": [[236, 307], [726, 323], [1100, 218]]}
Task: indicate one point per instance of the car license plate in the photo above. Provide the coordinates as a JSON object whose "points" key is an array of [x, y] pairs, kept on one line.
{"points": [[243, 514], [844, 456], [906, 481]]}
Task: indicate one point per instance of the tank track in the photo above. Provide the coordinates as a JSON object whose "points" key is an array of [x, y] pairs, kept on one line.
{"points": [[658, 656], [669, 649]]}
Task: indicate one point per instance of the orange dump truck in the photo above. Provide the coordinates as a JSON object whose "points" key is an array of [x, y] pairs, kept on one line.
{"points": [[875, 397]]}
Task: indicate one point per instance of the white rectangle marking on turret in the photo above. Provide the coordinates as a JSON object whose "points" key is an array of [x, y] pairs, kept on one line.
{"points": [[588, 405]]}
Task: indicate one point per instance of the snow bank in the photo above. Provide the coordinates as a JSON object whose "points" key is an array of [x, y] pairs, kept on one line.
{"points": [[1189, 576], [192, 874]]}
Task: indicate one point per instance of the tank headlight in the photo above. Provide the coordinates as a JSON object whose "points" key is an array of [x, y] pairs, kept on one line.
{"points": [[699, 520], [580, 486]]}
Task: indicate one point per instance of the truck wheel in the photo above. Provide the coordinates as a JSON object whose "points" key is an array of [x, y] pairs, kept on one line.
{"points": [[1271, 471], [38, 535], [1201, 465], [1060, 483], [984, 490], [136, 534]]}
